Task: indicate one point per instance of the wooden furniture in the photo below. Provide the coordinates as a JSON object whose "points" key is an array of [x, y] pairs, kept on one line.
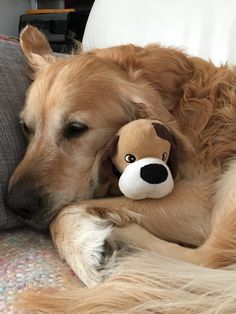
{"points": [[49, 11]]}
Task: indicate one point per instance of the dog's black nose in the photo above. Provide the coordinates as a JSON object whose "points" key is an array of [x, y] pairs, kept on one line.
{"points": [[24, 201], [154, 173]]}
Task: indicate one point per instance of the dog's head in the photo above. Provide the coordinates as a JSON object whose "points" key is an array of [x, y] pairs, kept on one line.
{"points": [[74, 107]]}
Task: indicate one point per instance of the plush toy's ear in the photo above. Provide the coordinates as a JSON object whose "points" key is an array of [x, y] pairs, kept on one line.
{"points": [[105, 168], [173, 160], [162, 131]]}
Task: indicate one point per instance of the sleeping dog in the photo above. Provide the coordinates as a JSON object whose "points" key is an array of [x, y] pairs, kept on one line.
{"points": [[73, 108]]}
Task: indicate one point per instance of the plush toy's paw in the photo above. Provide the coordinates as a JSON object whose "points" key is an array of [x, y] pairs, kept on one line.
{"points": [[146, 178]]}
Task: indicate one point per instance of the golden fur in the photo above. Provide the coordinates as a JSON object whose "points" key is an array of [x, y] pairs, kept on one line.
{"points": [[105, 89]]}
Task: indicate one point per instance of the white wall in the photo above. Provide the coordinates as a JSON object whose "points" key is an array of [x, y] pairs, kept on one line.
{"points": [[10, 11]]}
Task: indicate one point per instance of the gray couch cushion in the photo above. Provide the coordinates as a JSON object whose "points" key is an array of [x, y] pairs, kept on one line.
{"points": [[13, 85]]}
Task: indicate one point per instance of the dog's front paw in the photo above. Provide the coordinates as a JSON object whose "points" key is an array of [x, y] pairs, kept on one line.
{"points": [[86, 243]]}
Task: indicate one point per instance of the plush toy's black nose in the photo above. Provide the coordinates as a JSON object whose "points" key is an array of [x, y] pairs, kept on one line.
{"points": [[154, 173]]}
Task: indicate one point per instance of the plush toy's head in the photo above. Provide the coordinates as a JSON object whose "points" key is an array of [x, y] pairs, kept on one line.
{"points": [[145, 153]]}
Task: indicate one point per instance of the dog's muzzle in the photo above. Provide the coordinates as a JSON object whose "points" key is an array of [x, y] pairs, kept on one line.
{"points": [[27, 202]]}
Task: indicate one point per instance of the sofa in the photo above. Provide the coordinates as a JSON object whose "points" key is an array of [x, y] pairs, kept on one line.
{"points": [[204, 28]]}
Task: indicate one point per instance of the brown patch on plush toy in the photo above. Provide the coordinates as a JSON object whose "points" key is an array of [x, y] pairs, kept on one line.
{"points": [[163, 132]]}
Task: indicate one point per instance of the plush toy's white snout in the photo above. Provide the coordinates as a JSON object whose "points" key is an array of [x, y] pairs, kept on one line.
{"points": [[146, 178]]}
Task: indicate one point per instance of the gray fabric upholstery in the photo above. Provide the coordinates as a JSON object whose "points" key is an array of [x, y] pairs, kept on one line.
{"points": [[13, 85]]}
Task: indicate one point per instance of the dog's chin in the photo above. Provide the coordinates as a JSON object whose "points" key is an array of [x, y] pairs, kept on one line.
{"points": [[42, 226], [40, 221]]}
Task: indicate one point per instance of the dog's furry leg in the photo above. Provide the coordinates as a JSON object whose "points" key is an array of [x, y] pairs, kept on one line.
{"points": [[141, 238], [220, 248], [217, 249], [86, 243], [183, 216], [87, 236], [92, 246]]}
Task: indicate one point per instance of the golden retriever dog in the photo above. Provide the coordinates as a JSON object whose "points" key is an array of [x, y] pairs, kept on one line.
{"points": [[147, 256]]}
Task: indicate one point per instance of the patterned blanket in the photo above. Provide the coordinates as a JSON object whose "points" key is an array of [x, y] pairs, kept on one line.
{"points": [[9, 38], [27, 259]]}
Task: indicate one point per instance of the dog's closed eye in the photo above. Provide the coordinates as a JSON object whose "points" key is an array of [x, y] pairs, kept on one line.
{"points": [[75, 129], [27, 131]]}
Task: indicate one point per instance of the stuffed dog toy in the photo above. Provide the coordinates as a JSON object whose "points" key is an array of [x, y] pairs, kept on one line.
{"points": [[144, 155]]}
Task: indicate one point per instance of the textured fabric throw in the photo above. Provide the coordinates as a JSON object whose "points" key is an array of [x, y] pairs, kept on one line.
{"points": [[28, 261], [13, 85]]}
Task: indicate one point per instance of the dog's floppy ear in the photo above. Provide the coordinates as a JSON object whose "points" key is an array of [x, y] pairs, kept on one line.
{"points": [[105, 167], [173, 160], [36, 48]]}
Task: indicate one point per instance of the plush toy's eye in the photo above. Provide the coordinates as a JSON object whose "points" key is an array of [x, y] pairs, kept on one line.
{"points": [[164, 156], [130, 158]]}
